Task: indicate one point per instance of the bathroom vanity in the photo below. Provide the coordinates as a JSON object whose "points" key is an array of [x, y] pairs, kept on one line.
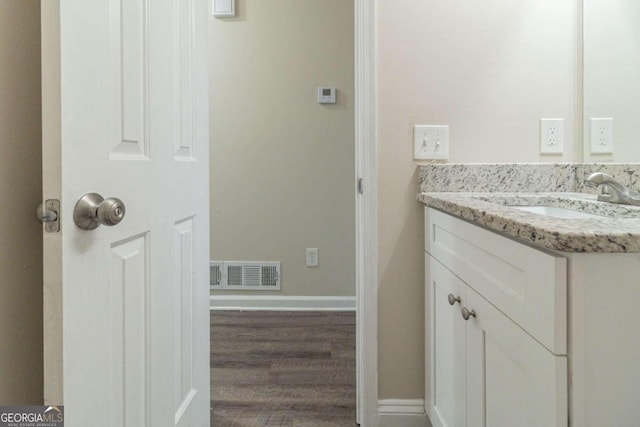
{"points": [[532, 315]]}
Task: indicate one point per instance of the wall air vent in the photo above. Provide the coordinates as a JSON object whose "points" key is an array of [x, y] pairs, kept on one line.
{"points": [[215, 273], [245, 275], [233, 276]]}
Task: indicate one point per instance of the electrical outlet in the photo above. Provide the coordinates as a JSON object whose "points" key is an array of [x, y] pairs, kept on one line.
{"points": [[601, 135], [312, 257], [430, 142], [551, 136]]}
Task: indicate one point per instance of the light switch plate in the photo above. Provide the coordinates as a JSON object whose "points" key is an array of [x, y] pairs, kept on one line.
{"points": [[601, 135], [430, 142], [551, 136], [224, 8]]}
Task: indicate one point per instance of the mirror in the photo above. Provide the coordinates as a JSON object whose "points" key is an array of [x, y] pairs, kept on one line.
{"points": [[612, 79]]}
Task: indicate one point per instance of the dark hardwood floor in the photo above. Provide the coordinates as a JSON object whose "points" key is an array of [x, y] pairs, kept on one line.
{"points": [[283, 369]]}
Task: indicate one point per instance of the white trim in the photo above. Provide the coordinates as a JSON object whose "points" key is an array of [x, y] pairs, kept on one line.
{"points": [[281, 303], [401, 406], [366, 215], [402, 413]]}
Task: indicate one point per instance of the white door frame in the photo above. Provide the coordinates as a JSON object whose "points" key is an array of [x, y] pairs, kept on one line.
{"points": [[366, 215]]}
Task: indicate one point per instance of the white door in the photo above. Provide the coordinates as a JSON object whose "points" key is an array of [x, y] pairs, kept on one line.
{"points": [[125, 115], [512, 380], [448, 370]]}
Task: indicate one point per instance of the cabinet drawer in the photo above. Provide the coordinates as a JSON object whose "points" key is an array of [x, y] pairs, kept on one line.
{"points": [[526, 284]]}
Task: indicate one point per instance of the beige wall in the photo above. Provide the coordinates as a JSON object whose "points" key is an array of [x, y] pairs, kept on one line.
{"points": [[20, 189], [490, 70], [282, 166]]}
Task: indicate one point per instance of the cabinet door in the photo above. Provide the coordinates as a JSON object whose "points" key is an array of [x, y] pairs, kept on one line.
{"points": [[512, 380], [448, 371]]}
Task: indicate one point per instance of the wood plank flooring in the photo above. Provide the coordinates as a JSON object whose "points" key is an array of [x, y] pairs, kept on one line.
{"points": [[283, 369]]}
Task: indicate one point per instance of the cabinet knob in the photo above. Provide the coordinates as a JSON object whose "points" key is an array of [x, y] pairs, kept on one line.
{"points": [[453, 299], [466, 313]]}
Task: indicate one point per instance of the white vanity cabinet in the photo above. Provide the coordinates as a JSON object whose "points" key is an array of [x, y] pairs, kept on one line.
{"points": [[487, 371], [506, 364]]}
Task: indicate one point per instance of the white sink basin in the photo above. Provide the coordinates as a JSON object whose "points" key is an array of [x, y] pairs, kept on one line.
{"points": [[557, 212]]}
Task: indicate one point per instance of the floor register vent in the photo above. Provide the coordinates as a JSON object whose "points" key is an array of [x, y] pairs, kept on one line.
{"points": [[245, 275]]}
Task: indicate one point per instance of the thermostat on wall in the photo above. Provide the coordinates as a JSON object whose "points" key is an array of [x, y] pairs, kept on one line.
{"points": [[326, 95]]}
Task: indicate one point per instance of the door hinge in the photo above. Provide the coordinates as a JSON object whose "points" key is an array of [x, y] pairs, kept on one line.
{"points": [[360, 186]]}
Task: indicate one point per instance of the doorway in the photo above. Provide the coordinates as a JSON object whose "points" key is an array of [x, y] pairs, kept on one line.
{"points": [[283, 166], [365, 108]]}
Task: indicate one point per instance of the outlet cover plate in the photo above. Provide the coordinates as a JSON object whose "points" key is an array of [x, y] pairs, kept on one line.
{"points": [[312, 257], [430, 142], [551, 136], [601, 135]]}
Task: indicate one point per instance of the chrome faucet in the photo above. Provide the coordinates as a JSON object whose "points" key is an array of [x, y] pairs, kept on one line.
{"points": [[612, 190]]}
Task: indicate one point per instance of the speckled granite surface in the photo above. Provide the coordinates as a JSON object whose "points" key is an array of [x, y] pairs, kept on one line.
{"points": [[626, 174], [486, 195], [515, 177], [519, 177]]}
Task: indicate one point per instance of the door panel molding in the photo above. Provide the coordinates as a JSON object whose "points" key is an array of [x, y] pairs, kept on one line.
{"points": [[129, 311], [184, 140], [129, 27], [184, 329]]}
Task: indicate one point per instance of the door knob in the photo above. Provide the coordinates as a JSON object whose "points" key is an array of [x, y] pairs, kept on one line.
{"points": [[92, 210]]}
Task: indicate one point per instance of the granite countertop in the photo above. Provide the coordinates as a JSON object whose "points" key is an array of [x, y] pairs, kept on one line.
{"points": [[617, 232]]}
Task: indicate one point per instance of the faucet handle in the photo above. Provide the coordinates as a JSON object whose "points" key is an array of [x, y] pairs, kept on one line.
{"points": [[630, 172], [605, 194], [605, 198]]}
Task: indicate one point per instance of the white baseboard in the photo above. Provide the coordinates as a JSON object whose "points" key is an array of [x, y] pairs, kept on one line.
{"points": [[402, 413], [281, 303]]}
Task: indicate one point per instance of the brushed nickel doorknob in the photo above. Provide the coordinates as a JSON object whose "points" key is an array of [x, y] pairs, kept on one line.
{"points": [[92, 210], [453, 299]]}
